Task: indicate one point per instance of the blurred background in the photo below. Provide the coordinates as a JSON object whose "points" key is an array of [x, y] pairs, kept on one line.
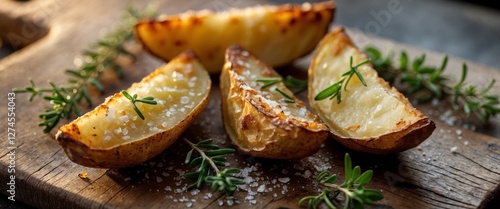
{"points": [[466, 29]]}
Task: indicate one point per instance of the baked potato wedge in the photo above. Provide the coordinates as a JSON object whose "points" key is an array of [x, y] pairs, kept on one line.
{"points": [[375, 118], [113, 135], [261, 121], [267, 31]]}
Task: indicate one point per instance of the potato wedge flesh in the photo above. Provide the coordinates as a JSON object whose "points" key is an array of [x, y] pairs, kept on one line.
{"points": [[111, 136], [257, 119], [177, 89], [376, 118], [264, 30], [369, 107]]}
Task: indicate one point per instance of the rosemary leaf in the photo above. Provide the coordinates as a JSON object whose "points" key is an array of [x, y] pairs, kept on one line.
{"points": [[133, 99], [356, 196], [335, 89]]}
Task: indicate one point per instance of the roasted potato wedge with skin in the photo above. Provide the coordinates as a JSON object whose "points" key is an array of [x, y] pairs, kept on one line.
{"points": [[277, 34], [375, 118], [257, 119], [113, 135]]}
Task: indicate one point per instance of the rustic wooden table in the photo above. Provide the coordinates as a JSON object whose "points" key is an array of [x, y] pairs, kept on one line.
{"points": [[429, 177]]}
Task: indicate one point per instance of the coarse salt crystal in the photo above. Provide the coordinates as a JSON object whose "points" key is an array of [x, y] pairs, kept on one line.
{"points": [[248, 180], [159, 179], [466, 143], [230, 202], [454, 149], [307, 174], [195, 192], [184, 100], [124, 118], [261, 188], [168, 188], [284, 180]]}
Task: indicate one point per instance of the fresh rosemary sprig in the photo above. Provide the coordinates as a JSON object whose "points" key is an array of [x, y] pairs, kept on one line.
{"points": [[428, 83], [335, 90], [289, 81], [133, 100], [99, 57], [352, 187], [209, 157]]}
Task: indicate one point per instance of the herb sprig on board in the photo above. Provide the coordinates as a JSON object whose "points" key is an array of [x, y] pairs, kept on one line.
{"points": [[352, 188], [206, 157], [427, 83], [99, 57]]}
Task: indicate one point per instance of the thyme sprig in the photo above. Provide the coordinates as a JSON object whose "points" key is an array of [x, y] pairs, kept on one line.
{"points": [[427, 83], [99, 57], [289, 81], [209, 157], [335, 90], [353, 188], [133, 99]]}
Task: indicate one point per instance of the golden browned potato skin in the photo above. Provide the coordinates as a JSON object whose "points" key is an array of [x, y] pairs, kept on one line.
{"points": [[84, 152], [276, 34], [404, 135], [252, 124]]}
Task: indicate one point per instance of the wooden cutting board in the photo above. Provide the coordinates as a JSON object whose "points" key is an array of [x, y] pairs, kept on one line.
{"points": [[430, 176]]}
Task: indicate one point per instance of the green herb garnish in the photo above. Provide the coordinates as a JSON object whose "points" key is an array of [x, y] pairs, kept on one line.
{"points": [[289, 81], [352, 187], [209, 158], [288, 98], [427, 83], [133, 99], [335, 90], [99, 57]]}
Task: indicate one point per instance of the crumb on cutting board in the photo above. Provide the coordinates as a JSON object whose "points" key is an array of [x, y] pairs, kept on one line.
{"points": [[83, 175]]}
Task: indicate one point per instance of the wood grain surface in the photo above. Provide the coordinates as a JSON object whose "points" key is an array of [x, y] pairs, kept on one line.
{"points": [[430, 176]]}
